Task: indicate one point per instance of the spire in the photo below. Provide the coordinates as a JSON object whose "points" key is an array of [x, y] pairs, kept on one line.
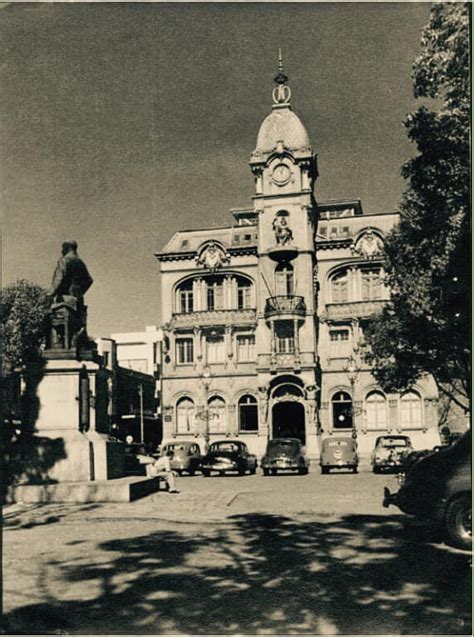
{"points": [[281, 93]]}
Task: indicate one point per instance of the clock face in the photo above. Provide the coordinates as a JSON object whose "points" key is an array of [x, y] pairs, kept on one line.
{"points": [[281, 174]]}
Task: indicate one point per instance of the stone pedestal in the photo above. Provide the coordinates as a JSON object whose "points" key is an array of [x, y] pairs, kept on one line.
{"points": [[68, 400]]}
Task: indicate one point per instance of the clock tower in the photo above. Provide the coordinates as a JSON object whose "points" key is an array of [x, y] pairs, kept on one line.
{"points": [[285, 171]]}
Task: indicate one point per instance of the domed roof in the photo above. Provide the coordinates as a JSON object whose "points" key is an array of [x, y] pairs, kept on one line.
{"points": [[282, 125]]}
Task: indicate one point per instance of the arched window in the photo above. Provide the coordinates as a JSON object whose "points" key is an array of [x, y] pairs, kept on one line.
{"points": [[244, 294], [411, 413], [376, 410], [340, 287], [217, 415], [185, 412], [284, 279], [342, 410], [185, 301], [248, 413]]}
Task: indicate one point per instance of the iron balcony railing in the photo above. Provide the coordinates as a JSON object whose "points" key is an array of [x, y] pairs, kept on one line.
{"points": [[290, 305]]}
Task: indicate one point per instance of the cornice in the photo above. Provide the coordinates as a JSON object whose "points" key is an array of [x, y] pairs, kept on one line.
{"points": [[190, 256]]}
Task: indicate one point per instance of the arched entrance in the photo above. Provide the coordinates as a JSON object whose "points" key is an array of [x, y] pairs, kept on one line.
{"points": [[288, 420]]}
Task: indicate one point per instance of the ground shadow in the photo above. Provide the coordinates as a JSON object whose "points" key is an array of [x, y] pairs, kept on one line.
{"points": [[260, 573]]}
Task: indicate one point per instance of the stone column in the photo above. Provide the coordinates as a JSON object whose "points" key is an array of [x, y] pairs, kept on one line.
{"points": [[198, 342], [197, 295]]}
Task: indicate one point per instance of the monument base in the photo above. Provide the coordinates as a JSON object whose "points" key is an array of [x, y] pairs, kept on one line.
{"points": [[119, 490]]}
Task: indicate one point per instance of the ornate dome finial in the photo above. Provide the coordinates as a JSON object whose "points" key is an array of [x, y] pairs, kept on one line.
{"points": [[281, 93]]}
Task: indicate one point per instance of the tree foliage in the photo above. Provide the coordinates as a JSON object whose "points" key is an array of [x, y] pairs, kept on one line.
{"points": [[23, 308], [426, 326]]}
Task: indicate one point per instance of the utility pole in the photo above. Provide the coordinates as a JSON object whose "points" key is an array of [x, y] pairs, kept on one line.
{"points": [[142, 424]]}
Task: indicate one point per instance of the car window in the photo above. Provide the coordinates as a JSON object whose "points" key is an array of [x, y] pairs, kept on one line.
{"points": [[395, 442], [283, 445], [224, 446]]}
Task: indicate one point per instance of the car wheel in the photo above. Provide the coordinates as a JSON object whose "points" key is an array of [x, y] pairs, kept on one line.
{"points": [[303, 471], [265, 472], [253, 471], [206, 473], [241, 471], [324, 470], [273, 472], [192, 472], [459, 522], [355, 470], [376, 470]]}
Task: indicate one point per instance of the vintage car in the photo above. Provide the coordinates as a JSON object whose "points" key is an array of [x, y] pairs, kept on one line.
{"points": [[339, 453], [187, 456], [226, 456], [438, 487], [284, 454], [390, 453]]}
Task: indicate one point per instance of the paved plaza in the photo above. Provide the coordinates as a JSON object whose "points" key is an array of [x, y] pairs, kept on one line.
{"points": [[234, 555]]}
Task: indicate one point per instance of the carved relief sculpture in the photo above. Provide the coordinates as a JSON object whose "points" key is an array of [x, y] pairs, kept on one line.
{"points": [[369, 245], [212, 257]]}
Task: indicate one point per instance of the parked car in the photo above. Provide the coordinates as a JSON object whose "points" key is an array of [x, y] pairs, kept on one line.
{"points": [[284, 454], [137, 456], [339, 453], [187, 456], [390, 453], [438, 487], [224, 456]]}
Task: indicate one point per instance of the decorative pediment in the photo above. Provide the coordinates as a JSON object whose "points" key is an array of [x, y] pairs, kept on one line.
{"points": [[212, 256], [369, 245]]}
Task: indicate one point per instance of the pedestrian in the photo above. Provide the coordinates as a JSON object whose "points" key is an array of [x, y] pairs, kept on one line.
{"points": [[162, 469]]}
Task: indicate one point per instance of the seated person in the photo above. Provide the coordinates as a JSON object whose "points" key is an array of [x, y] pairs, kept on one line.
{"points": [[162, 469]]}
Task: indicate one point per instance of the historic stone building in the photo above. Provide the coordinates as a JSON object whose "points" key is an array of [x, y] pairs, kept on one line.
{"points": [[262, 317]]}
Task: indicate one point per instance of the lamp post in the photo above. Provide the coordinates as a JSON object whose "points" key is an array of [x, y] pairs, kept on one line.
{"points": [[352, 370], [204, 414]]}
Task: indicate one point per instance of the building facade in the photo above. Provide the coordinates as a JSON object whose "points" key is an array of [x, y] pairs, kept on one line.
{"points": [[263, 317]]}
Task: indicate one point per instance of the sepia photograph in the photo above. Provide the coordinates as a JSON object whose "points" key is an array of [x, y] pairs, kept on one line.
{"points": [[236, 318]]}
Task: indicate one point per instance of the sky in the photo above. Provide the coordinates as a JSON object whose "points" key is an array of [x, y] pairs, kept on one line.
{"points": [[124, 123]]}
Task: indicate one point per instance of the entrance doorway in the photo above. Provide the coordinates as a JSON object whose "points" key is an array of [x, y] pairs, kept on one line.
{"points": [[288, 420]]}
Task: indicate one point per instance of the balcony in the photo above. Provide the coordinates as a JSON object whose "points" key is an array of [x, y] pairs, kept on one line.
{"points": [[285, 307], [285, 362], [357, 309], [214, 317]]}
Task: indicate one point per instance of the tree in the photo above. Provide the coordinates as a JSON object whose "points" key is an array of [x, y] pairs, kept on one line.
{"points": [[426, 326], [23, 308]]}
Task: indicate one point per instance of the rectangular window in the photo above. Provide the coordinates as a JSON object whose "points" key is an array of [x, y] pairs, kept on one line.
{"points": [[215, 296], [243, 297], [215, 348], [186, 301], [340, 289], [371, 285], [246, 348], [339, 343], [184, 351], [285, 338]]}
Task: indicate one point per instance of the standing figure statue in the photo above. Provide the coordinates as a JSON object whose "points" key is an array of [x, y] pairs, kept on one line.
{"points": [[68, 314], [283, 232], [71, 277]]}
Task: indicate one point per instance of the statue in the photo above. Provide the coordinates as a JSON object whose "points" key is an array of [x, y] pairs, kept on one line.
{"points": [[68, 315], [71, 279], [283, 233]]}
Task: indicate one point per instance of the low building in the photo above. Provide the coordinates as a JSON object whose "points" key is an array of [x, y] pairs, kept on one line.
{"points": [[263, 316]]}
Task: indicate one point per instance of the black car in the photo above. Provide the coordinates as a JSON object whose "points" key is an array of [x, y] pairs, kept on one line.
{"points": [[284, 454], [438, 487], [226, 456]]}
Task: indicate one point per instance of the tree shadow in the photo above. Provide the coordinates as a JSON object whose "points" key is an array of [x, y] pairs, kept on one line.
{"points": [[262, 574]]}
